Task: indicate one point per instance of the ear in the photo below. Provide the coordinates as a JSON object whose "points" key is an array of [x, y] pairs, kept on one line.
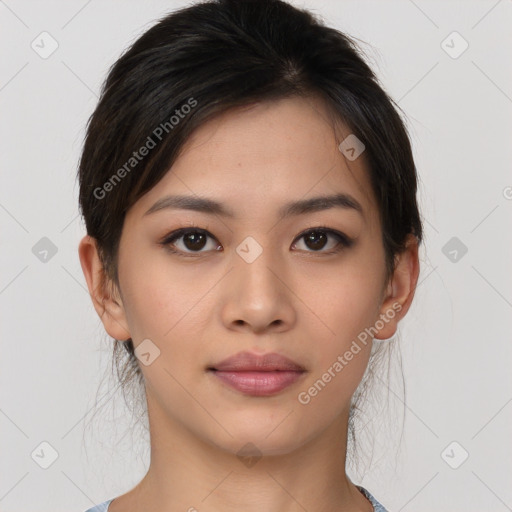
{"points": [[104, 294], [400, 290]]}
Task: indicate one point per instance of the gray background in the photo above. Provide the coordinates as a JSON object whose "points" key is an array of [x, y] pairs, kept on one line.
{"points": [[455, 340]]}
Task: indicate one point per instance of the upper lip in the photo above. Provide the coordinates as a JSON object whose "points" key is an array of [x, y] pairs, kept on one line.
{"points": [[247, 361]]}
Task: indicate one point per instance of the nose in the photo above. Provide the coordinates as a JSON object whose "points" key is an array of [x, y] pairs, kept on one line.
{"points": [[258, 296]]}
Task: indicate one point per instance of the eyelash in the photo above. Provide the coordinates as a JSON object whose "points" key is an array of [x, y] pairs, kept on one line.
{"points": [[344, 242]]}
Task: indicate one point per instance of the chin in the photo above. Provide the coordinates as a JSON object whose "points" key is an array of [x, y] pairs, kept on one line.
{"points": [[258, 440]]}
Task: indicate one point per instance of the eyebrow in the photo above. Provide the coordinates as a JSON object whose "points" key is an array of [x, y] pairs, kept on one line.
{"points": [[300, 207]]}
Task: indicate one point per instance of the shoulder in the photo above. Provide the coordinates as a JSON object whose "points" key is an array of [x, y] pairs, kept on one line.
{"points": [[102, 507], [377, 507]]}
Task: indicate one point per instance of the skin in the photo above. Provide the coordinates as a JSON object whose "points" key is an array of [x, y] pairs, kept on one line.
{"points": [[292, 299]]}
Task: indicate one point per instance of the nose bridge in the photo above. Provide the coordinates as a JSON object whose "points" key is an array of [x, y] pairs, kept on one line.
{"points": [[256, 266], [257, 295]]}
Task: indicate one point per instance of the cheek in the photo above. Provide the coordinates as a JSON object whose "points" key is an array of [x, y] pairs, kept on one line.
{"points": [[347, 301], [154, 299], [164, 302], [347, 305], [343, 354]]}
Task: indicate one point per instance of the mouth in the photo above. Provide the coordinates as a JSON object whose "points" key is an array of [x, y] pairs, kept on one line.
{"points": [[257, 375]]}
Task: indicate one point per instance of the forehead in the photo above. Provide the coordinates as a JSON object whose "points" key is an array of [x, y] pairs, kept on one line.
{"points": [[274, 151]]}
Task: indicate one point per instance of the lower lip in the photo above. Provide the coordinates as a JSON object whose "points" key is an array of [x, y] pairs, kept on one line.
{"points": [[258, 383]]}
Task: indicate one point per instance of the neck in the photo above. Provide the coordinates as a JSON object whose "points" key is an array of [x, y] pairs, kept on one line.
{"points": [[188, 473]]}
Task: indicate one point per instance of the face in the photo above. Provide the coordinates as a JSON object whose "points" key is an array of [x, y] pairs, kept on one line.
{"points": [[304, 285]]}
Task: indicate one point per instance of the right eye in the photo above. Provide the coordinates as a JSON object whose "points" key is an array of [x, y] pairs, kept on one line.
{"points": [[192, 240]]}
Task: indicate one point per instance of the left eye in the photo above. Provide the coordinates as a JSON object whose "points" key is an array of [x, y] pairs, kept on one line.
{"points": [[194, 240], [317, 237]]}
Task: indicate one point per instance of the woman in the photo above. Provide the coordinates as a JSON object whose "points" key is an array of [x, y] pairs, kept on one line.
{"points": [[249, 194]]}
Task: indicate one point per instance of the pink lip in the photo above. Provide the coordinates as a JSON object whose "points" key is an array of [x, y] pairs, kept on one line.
{"points": [[258, 375], [258, 383]]}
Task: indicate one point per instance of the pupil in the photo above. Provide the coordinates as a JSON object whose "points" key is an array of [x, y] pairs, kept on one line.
{"points": [[197, 240], [314, 237]]}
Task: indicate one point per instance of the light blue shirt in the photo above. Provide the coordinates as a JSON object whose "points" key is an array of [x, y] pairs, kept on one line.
{"points": [[377, 507], [102, 507]]}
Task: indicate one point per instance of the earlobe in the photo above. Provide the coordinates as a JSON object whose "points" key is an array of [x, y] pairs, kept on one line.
{"points": [[400, 290], [104, 295]]}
